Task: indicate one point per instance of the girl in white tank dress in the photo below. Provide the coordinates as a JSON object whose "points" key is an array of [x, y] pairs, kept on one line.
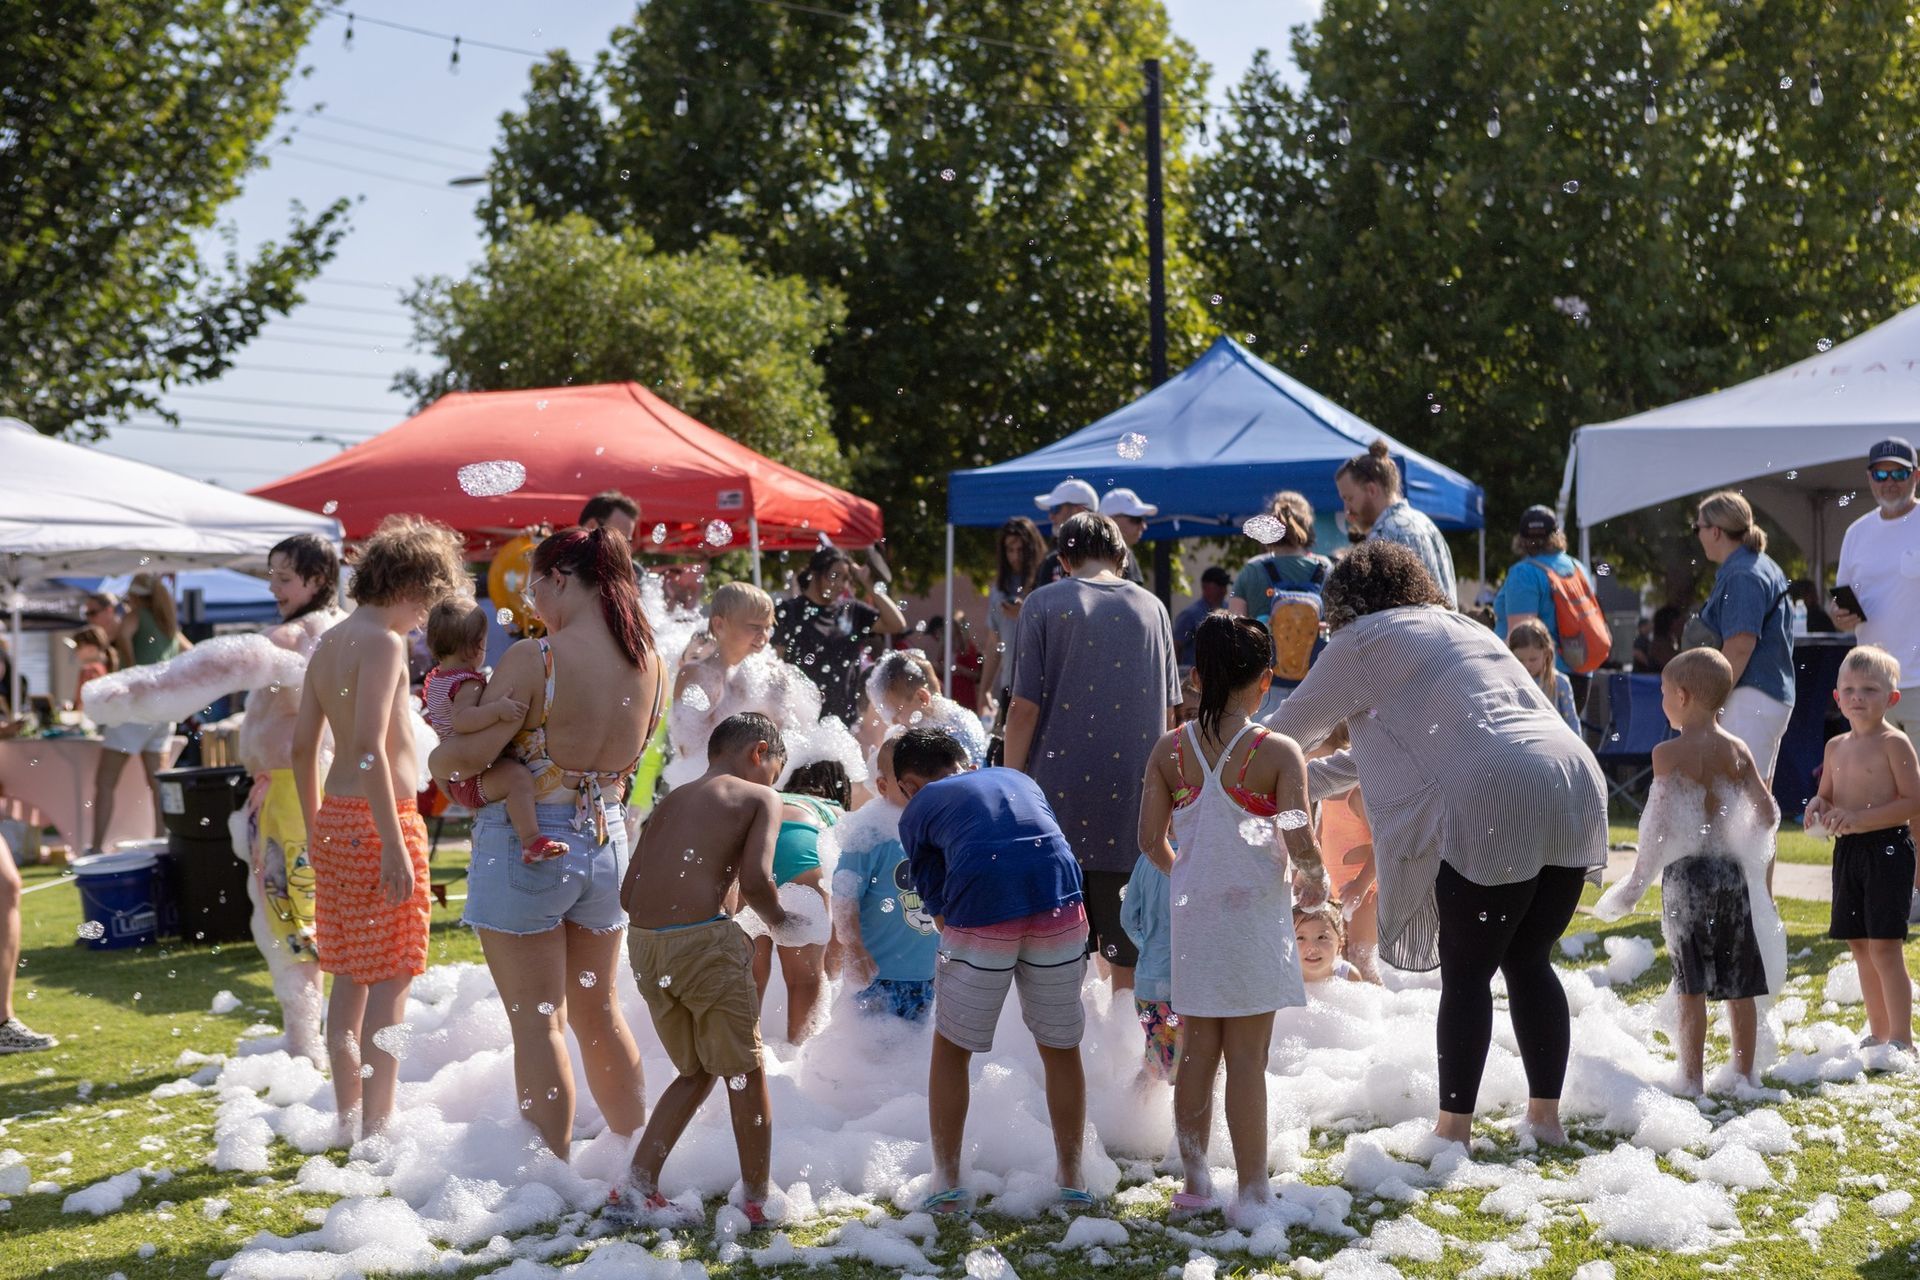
{"points": [[1232, 903]]}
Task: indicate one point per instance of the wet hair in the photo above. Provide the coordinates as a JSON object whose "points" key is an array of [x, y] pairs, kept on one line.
{"points": [[1091, 536], [1229, 653], [455, 627], [1375, 576], [1732, 514], [927, 753], [97, 638], [408, 558], [312, 559], [1705, 674], [819, 562], [1531, 633], [1018, 582], [1327, 912], [738, 600], [899, 672], [739, 732], [1373, 467], [1295, 515], [604, 504], [1872, 660], [825, 779], [601, 558]]}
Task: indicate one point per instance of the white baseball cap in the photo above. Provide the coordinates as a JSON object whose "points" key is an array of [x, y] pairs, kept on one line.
{"points": [[1125, 502], [1078, 492]]}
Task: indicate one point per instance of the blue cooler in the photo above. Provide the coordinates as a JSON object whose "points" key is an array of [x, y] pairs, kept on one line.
{"points": [[122, 894]]}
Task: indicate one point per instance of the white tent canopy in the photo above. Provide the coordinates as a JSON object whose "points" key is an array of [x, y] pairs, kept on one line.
{"points": [[65, 509], [1794, 441]]}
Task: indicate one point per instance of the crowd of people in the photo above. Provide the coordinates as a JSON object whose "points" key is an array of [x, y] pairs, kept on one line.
{"points": [[1186, 809]]}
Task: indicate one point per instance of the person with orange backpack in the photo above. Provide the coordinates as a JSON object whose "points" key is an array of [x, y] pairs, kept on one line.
{"points": [[1281, 589], [1551, 587]]}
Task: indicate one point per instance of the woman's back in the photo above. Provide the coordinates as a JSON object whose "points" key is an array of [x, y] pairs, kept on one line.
{"points": [[603, 706]]}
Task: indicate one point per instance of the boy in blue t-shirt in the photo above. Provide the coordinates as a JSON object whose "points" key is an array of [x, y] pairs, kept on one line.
{"points": [[992, 868], [888, 934]]}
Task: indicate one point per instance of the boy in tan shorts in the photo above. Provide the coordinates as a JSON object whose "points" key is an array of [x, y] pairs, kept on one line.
{"points": [[694, 965], [366, 841]]}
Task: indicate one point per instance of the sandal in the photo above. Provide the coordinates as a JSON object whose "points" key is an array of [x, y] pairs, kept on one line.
{"points": [[1188, 1205], [543, 848], [951, 1201], [1075, 1198]]}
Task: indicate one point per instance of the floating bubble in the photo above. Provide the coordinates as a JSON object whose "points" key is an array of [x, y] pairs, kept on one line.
{"points": [[659, 534], [1825, 344], [491, 479], [545, 1007], [366, 1070], [719, 533], [886, 907], [504, 617], [328, 507], [91, 930], [666, 980], [736, 1083], [1256, 831], [1264, 529], [1133, 445], [1291, 819], [947, 175], [1570, 186]]}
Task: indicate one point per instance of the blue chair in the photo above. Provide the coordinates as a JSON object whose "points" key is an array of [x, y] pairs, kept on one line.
{"points": [[1635, 726]]}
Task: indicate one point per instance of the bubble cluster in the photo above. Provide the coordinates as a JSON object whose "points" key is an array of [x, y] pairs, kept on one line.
{"points": [[91, 930], [491, 479], [719, 533], [1264, 529], [1132, 446]]}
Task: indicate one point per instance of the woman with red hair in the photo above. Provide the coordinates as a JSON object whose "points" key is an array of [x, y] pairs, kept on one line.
{"points": [[551, 927]]}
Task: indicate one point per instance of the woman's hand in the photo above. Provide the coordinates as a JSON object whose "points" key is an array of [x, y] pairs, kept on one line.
{"points": [[1310, 886]]}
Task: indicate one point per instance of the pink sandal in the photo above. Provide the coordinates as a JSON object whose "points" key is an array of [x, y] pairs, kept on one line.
{"points": [[543, 848], [1187, 1205]]}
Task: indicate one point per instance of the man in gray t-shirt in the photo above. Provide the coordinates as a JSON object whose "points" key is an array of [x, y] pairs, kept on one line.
{"points": [[1094, 683]]}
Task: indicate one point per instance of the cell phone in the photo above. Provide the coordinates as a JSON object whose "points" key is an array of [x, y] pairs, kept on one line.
{"points": [[1843, 596]]}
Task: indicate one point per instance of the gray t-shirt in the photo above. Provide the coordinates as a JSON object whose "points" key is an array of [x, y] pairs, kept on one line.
{"points": [[1097, 658]]}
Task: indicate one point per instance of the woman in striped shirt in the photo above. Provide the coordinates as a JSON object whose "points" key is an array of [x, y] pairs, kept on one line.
{"points": [[1486, 812]]}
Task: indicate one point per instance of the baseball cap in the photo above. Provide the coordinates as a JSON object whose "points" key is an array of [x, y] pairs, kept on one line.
{"points": [[1538, 521], [1217, 576], [1893, 449], [1125, 502], [1078, 492]]}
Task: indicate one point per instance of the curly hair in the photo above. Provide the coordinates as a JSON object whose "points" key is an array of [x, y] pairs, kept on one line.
{"points": [[409, 558], [1377, 575]]}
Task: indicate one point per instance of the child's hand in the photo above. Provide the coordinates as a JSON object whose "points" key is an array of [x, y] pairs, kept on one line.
{"points": [[396, 876], [1839, 822], [858, 965], [510, 708]]}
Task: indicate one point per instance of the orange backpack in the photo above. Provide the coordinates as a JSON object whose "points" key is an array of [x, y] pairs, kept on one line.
{"points": [[1585, 639]]}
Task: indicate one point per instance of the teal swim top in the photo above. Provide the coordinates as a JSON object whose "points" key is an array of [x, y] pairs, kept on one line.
{"points": [[796, 850]]}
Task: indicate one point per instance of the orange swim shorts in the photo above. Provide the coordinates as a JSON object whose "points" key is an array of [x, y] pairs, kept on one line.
{"points": [[358, 933]]}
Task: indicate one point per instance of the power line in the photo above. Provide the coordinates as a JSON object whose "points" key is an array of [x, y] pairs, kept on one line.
{"points": [[334, 328], [284, 404], [328, 117], [370, 173], [385, 286], [322, 373], [910, 28], [294, 428], [457, 40], [216, 434], [398, 343], [388, 312], [309, 136]]}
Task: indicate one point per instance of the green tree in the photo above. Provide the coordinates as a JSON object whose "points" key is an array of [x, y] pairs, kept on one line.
{"points": [[123, 129], [555, 304], [971, 177], [1497, 245]]}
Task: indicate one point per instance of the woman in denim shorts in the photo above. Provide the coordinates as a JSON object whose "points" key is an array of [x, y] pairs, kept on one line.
{"points": [[551, 928]]}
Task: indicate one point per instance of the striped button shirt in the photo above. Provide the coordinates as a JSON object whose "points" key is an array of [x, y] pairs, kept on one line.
{"points": [[1459, 757]]}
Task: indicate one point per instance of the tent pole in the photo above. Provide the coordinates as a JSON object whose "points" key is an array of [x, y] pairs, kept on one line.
{"points": [[1483, 556], [753, 539], [17, 678], [1818, 550], [946, 627]]}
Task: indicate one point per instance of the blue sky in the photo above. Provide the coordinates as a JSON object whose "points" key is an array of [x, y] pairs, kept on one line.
{"points": [[326, 367]]}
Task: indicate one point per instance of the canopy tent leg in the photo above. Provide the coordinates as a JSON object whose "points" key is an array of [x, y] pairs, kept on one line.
{"points": [[1483, 558], [17, 677], [1817, 553], [1586, 545], [946, 626], [753, 542]]}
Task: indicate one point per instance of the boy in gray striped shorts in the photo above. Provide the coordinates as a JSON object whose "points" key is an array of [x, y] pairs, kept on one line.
{"points": [[988, 860]]}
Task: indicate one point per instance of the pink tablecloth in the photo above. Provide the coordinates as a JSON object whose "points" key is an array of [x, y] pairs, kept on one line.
{"points": [[55, 777]]}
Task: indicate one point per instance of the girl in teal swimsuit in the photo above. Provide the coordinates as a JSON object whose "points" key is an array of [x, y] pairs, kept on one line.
{"points": [[815, 799]]}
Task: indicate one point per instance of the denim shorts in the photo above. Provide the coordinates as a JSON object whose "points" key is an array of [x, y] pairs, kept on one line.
{"points": [[580, 887]]}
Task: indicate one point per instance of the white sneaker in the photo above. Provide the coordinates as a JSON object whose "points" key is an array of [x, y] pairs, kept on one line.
{"points": [[17, 1037]]}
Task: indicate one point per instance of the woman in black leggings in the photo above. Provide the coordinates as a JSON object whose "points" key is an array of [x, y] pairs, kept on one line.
{"points": [[1486, 813]]}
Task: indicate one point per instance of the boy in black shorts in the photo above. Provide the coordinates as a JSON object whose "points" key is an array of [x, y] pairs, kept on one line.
{"points": [[1869, 792]]}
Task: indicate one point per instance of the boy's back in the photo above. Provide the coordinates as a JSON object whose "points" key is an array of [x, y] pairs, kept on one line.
{"points": [[352, 664], [984, 847], [693, 847]]}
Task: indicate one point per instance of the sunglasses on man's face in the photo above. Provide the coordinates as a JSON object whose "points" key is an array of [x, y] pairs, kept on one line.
{"points": [[1884, 474]]}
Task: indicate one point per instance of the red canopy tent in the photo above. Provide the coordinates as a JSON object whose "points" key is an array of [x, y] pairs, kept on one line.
{"points": [[573, 443]]}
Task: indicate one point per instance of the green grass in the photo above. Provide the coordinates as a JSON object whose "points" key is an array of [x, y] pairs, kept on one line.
{"points": [[1791, 845], [126, 1045]]}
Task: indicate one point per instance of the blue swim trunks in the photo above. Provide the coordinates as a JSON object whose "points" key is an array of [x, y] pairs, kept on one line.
{"points": [[907, 1000]]}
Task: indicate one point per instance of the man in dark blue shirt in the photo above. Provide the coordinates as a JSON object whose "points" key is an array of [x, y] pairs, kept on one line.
{"points": [[991, 866]]}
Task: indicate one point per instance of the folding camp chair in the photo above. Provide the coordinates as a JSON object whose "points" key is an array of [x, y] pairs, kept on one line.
{"points": [[1635, 726]]}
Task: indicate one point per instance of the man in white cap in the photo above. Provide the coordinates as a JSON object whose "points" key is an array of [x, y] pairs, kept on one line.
{"points": [[1126, 510], [1064, 501]]}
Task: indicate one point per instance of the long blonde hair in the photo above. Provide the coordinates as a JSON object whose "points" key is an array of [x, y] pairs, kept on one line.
{"points": [[152, 588], [1531, 633], [1732, 514]]}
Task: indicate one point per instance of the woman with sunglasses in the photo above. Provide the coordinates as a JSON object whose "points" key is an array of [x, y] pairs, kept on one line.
{"points": [[1748, 610], [551, 927]]}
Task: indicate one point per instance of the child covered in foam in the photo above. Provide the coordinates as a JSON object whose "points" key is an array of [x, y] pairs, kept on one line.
{"points": [[905, 692], [1708, 832], [889, 938]]}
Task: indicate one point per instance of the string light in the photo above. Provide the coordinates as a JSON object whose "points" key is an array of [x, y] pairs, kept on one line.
{"points": [[1344, 134], [680, 104], [1651, 112], [453, 63], [1879, 207], [347, 43], [1493, 120], [1800, 212], [927, 128], [1815, 94]]}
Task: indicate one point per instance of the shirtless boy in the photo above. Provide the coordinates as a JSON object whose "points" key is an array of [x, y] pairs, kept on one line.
{"points": [[694, 965], [1869, 792], [366, 842]]}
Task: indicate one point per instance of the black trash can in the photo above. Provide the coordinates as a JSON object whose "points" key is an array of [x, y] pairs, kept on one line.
{"points": [[207, 882]]}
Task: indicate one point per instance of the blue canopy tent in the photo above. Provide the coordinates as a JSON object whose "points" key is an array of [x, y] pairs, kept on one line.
{"points": [[1220, 438]]}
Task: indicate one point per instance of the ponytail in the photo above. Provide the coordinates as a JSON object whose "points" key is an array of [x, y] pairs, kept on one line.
{"points": [[602, 557], [1373, 467], [1229, 653], [1732, 514]]}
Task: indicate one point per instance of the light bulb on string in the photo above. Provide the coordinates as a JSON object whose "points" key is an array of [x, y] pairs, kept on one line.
{"points": [[1201, 127], [1493, 121], [1815, 94], [347, 43], [1344, 134], [1800, 212], [927, 128], [1651, 112], [680, 105], [453, 63], [1879, 208]]}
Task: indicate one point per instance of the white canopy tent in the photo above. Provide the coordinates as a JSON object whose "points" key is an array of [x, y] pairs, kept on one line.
{"points": [[65, 509], [1794, 441]]}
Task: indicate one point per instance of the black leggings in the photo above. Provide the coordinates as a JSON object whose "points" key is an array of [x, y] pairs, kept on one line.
{"points": [[1511, 928]]}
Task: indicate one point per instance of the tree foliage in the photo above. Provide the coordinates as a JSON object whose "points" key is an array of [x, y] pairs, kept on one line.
{"points": [[971, 178], [123, 129], [560, 303], [1481, 296]]}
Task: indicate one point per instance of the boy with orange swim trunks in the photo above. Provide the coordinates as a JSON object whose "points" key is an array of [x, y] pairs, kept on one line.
{"points": [[366, 841]]}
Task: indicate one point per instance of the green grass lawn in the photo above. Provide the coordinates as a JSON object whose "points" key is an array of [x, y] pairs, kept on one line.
{"points": [[125, 1017], [1792, 844]]}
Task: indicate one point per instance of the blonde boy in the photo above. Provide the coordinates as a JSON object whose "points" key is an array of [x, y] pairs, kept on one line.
{"points": [[1869, 792], [740, 619]]}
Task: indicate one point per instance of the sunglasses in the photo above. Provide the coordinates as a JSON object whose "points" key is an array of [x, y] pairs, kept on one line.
{"points": [[1884, 474]]}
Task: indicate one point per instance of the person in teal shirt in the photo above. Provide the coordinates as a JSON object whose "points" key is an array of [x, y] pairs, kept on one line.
{"points": [[1527, 592]]}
